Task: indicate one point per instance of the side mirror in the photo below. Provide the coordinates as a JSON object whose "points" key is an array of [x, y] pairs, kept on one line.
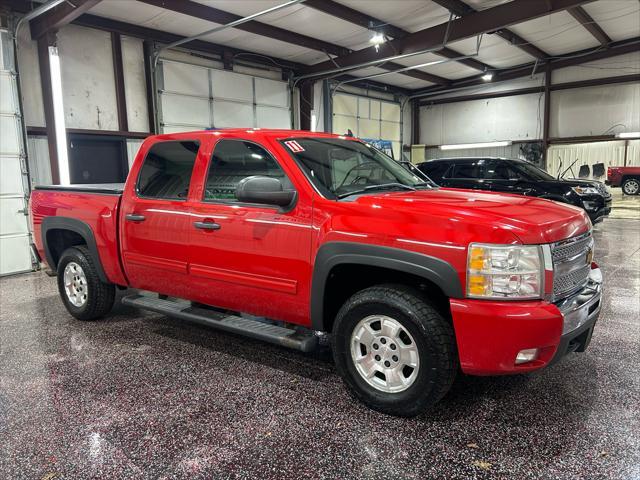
{"points": [[265, 190]]}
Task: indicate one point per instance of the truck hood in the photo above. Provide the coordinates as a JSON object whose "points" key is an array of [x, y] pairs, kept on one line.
{"points": [[531, 220]]}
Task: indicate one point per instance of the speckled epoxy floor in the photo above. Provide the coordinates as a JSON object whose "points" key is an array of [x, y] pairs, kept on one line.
{"points": [[145, 396]]}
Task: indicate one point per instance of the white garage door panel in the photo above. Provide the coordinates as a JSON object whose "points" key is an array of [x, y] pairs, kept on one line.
{"points": [[390, 130], [9, 134], [187, 79], [181, 110], [363, 107], [12, 222], [369, 128], [345, 105], [15, 252], [7, 94], [14, 257], [232, 114], [10, 176], [271, 117], [231, 86], [272, 92], [374, 109], [342, 123], [390, 111], [180, 128]]}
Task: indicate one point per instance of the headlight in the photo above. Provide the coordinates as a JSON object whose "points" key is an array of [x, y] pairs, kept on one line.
{"points": [[499, 271], [585, 190]]}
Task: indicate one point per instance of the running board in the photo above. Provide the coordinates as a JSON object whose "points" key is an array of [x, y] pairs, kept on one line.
{"points": [[183, 310]]}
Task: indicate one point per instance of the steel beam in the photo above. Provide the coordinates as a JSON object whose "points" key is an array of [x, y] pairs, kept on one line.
{"points": [[197, 10], [581, 15], [484, 21], [575, 58], [348, 14], [462, 9], [59, 16]]}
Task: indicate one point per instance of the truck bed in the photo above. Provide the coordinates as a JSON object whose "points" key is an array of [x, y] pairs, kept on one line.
{"points": [[109, 188]]}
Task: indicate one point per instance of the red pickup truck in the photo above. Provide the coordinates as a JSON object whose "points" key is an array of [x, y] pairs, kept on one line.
{"points": [[626, 177], [280, 234]]}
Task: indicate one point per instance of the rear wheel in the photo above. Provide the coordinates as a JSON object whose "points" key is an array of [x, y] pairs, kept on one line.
{"points": [[631, 186], [394, 351], [85, 296]]}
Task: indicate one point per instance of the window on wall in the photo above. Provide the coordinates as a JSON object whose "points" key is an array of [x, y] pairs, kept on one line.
{"points": [[166, 171], [368, 118], [235, 160]]}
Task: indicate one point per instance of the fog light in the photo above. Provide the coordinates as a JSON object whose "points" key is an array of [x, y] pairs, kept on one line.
{"points": [[527, 355]]}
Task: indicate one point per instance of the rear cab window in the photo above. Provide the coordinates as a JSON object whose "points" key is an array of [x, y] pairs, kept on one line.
{"points": [[167, 169]]}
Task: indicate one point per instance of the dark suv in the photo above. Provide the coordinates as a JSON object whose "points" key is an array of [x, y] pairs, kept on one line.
{"points": [[520, 177]]}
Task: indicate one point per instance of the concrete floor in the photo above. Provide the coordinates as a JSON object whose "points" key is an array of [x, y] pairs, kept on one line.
{"points": [[145, 396]]}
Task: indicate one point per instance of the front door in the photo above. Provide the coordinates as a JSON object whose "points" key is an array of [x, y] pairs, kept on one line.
{"points": [[155, 219], [248, 257]]}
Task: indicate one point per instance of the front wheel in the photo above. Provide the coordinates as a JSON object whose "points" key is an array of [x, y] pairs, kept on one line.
{"points": [[631, 186], [395, 352], [85, 296]]}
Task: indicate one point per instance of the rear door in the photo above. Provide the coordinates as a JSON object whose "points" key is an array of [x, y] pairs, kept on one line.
{"points": [[466, 173], [155, 219], [248, 257], [501, 176]]}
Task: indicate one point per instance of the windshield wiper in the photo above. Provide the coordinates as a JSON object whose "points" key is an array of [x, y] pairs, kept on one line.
{"points": [[380, 186]]}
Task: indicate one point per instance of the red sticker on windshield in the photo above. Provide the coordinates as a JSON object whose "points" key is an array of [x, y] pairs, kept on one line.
{"points": [[294, 146]]}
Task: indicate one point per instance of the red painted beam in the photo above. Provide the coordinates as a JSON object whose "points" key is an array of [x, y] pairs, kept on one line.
{"points": [[581, 15], [59, 16]]}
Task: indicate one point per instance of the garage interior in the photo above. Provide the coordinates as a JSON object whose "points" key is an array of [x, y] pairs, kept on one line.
{"points": [[143, 395]]}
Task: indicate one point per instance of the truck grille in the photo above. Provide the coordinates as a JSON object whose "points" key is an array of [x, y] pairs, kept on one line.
{"points": [[571, 264]]}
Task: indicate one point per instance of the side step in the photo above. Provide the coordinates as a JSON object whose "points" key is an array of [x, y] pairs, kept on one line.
{"points": [[182, 309]]}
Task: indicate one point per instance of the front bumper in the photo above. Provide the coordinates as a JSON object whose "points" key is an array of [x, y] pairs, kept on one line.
{"points": [[489, 334]]}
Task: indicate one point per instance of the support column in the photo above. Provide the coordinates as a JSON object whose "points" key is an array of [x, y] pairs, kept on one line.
{"points": [[44, 42], [547, 114], [415, 121], [148, 50], [306, 105], [118, 73], [327, 106]]}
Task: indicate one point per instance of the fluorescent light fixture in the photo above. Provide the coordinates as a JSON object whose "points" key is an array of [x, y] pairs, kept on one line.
{"points": [[462, 146], [628, 135], [487, 77], [377, 38], [314, 122], [58, 116]]}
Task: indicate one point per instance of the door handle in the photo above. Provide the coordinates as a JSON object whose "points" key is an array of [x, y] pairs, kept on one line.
{"points": [[207, 225], [134, 217]]}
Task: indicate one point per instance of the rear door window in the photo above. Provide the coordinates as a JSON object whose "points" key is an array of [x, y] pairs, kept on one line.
{"points": [[166, 171], [472, 169], [434, 170]]}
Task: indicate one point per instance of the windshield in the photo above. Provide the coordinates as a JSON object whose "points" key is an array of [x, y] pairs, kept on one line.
{"points": [[534, 172], [339, 168]]}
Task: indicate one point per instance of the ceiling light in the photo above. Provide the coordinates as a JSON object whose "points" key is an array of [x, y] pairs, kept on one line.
{"points": [[487, 77], [462, 146], [628, 135], [58, 116], [377, 39]]}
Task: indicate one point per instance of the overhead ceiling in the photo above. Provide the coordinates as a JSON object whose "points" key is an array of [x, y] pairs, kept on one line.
{"points": [[553, 35]]}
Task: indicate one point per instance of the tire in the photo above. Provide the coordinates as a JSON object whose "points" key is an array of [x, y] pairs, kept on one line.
{"points": [[631, 186], [420, 325], [88, 297]]}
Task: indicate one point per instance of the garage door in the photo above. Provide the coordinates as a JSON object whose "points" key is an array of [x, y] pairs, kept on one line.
{"points": [[368, 118], [15, 250], [195, 98]]}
